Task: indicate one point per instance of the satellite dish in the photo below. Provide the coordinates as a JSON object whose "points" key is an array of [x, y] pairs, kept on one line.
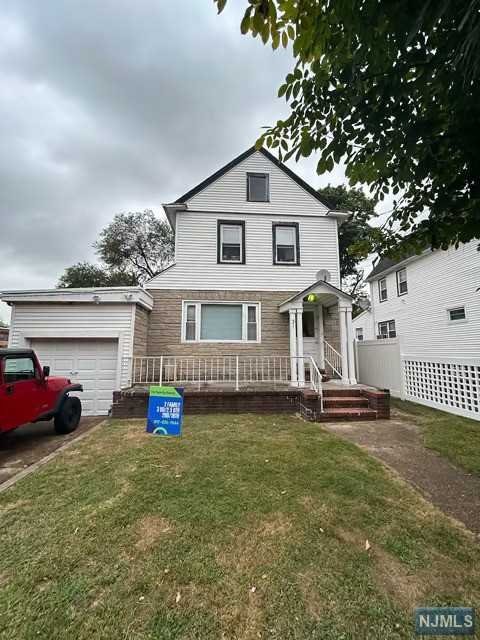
{"points": [[324, 275]]}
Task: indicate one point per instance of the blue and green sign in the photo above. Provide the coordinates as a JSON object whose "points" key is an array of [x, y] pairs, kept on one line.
{"points": [[165, 411]]}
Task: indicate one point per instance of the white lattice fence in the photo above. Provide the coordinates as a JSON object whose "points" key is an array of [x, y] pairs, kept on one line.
{"points": [[451, 385]]}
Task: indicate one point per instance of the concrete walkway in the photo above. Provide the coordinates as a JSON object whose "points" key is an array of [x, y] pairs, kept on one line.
{"points": [[398, 443]]}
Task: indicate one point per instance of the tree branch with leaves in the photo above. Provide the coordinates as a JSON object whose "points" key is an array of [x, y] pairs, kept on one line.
{"points": [[392, 90], [133, 248]]}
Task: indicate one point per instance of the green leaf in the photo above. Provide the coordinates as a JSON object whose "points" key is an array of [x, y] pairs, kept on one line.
{"points": [[221, 5], [245, 24]]}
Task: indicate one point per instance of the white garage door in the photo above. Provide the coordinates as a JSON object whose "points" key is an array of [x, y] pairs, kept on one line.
{"points": [[93, 363]]}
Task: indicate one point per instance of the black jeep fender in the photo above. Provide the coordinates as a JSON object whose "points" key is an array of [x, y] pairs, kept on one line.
{"points": [[61, 397]]}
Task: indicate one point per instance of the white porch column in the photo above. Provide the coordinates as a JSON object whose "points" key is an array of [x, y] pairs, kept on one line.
{"points": [[301, 363], [342, 313], [321, 337], [292, 316], [351, 356]]}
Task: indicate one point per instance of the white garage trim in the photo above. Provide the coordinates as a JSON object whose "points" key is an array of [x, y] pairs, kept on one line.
{"points": [[92, 295]]}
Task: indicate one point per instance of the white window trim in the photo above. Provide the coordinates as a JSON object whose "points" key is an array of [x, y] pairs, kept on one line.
{"points": [[295, 238], [385, 337], [460, 320], [242, 248], [380, 290], [198, 304], [397, 275], [359, 331]]}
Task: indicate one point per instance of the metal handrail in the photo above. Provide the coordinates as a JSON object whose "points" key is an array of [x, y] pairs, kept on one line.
{"points": [[333, 358], [234, 370]]}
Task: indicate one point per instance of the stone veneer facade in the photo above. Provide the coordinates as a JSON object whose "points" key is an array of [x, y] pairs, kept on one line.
{"points": [[159, 332]]}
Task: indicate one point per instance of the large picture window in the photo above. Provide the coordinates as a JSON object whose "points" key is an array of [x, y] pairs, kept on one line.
{"points": [[286, 244], [221, 322], [231, 242]]}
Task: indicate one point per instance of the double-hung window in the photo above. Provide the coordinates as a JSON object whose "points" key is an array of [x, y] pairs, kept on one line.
{"points": [[286, 244], [230, 242], [221, 322], [382, 289], [386, 329], [402, 286]]}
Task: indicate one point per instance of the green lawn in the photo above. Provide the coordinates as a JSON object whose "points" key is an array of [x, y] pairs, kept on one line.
{"points": [[455, 438], [246, 527]]}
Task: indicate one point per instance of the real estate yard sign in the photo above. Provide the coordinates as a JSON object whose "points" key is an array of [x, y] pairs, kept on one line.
{"points": [[165, 411]]}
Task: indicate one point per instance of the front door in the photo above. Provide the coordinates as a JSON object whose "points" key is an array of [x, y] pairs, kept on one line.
{"points": [[310, 334]]}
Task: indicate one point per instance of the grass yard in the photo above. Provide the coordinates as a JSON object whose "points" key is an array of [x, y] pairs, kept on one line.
{"points": [[246, 527], [454, 437]]}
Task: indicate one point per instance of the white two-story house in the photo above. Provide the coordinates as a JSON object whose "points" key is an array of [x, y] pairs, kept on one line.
{"points": [[256, 275], [256, 271]]}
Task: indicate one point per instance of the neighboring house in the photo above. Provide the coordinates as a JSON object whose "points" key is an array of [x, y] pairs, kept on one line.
{"points": [[256, 274], [3, 337], [363, 326], [430, 301], [429, 305]]}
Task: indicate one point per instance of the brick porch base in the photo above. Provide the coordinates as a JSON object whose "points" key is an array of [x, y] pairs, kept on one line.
{"points": [[340, 403]]}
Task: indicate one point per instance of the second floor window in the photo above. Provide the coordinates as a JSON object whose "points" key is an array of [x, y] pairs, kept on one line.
{"points": [[286, 246], [387, 329], [382, 289], [359, 333], [231, 242], [402, 286]]}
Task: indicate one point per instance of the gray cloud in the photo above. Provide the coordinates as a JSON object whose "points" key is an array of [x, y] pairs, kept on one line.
{"points": [[117, 106]]}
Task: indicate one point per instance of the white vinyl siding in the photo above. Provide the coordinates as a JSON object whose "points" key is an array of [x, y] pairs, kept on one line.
{"points": [[229, 193], [437, 282], [196, 258], [30, 321], [221, 322]]}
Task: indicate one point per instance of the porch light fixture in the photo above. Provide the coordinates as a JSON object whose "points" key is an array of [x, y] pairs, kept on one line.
{"points": [[312, 297]]}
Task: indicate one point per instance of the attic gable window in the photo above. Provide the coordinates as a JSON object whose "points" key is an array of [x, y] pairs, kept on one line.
{"points": [[258, 187], [231, 242]]}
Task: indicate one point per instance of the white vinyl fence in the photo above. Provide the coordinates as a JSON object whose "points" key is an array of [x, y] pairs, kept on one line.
{"points": [[449, 384]]}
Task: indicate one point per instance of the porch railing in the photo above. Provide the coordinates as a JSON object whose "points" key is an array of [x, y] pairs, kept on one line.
{"points": [[333, 360], [237, 371]]}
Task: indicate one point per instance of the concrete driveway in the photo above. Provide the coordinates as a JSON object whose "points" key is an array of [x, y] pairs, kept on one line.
{"points": [[26, 445]]}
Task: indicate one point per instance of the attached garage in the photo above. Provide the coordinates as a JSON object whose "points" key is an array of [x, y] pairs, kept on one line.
{"points": [[88, 335]]}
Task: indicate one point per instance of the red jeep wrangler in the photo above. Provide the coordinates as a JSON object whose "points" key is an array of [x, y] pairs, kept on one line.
{"points": [[28, 394]]}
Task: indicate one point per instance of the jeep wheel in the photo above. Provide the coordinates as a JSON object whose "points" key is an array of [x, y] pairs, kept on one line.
{"points": [[68, 417]]}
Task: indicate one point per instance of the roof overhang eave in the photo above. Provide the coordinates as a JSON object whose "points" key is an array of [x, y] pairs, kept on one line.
{"points": [[171, 210]]}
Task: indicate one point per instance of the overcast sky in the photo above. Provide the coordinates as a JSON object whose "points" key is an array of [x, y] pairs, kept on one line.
{"points": [[113, 105]]}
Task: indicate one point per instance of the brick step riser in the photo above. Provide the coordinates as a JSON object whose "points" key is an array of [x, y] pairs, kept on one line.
{"points": [[336, 393], [347, 403]]}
